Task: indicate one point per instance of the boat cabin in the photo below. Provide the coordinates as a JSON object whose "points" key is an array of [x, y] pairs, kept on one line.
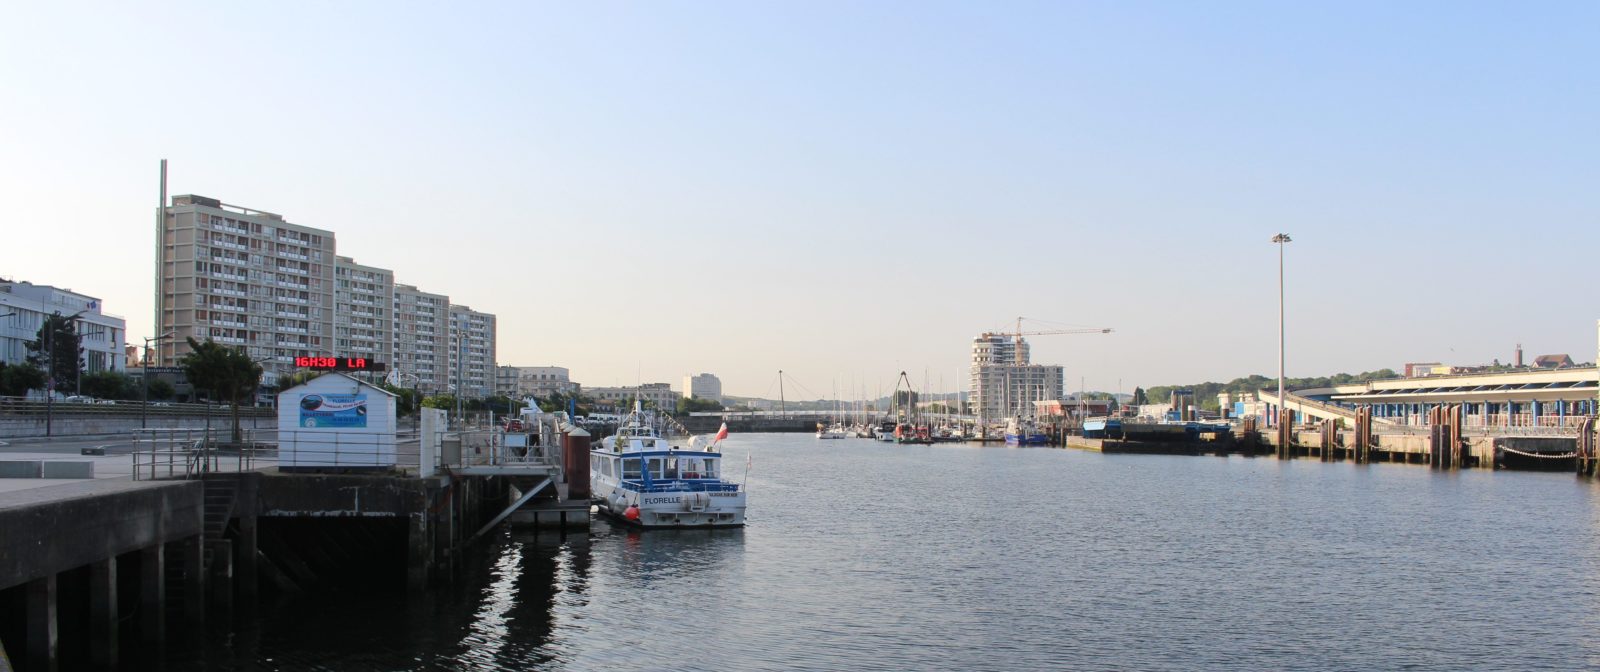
{"points": [[657, 470]]}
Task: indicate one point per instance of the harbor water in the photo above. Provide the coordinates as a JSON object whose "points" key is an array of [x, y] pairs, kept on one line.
{"points": [[862, 555]]}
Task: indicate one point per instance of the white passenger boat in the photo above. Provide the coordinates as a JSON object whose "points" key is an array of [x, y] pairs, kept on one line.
{"points": [[640, 479]]}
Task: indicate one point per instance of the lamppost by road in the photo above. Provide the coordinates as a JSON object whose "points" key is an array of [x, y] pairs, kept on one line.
{"points": [[145, 377], [50, 361], [1280, 239]]}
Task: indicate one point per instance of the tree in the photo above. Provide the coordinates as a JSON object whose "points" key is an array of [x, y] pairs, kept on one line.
{"points": [[409, 399], [227, 373], [558, 402], [687, 405], [161, 389], [58, 335], [17, 379], [504, 405], [445, 402], [295, 379], [109, 385]]}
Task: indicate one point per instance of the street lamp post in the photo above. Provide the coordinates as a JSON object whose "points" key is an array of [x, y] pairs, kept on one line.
{"points": [[144, 378], [1280, 239], [50, 364]]}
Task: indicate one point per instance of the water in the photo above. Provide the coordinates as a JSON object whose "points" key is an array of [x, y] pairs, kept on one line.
{"points": [[868, 556]]}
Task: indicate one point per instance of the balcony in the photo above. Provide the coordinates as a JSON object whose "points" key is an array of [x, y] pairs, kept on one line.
{"points": [[223, 306], [219, 226], [293, 269]]}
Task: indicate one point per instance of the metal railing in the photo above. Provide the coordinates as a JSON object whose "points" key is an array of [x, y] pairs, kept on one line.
{"points": [[340, 449], [121, 407], [192, 452]]}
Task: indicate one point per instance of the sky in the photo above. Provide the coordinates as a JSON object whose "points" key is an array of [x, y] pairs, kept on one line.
{"points": [[847, 190]]}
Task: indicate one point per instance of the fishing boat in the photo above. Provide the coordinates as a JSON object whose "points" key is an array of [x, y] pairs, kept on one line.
{"points": [[639, 478], [1025, 432]]}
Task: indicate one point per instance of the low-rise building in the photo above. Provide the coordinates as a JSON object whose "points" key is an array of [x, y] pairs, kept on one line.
{"points": [[24, 307], [658, 395]]}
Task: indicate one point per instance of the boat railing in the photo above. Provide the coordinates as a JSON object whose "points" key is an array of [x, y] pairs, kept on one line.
{"points": [[683, 486]]}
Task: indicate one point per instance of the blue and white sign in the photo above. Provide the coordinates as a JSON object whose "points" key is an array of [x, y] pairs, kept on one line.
{"points": [[333, 410]]}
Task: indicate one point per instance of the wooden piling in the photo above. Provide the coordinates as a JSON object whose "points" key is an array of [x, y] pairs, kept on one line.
{"points": [[1361, 451], [1587, 460], [1286, 421]]}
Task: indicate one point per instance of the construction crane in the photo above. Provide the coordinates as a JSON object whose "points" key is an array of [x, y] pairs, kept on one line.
{"points": [[1019, 333]]}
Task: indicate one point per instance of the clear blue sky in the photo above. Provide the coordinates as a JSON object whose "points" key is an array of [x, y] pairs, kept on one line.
{"points": [[847, 190]]}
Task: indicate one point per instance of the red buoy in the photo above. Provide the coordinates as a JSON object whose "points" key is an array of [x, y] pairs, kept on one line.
{"points": [[631, 513]]}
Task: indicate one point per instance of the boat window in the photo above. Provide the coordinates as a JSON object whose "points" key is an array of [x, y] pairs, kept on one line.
{"points": [[672, 467], [605, 467], [711, 468], [630, 468], [693, 468], [655, 467]]}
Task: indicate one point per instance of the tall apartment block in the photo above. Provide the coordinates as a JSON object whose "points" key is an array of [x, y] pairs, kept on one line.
{"points": [[363, 315], [472, 343], [1004, 383], [244, 277], [421, 339], [703, 386]]}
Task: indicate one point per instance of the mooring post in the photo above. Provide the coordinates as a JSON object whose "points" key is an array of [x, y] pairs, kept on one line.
{"points": [[103, 612], [194, 582], [419, 558], [153, 593], [42, 629], [222, 576]]}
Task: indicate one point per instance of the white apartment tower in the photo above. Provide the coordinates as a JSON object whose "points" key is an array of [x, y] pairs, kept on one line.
{"points": [[471, 351], [704, 386], [421, 339], [244, 277], [363, 316], [1003, 381]]}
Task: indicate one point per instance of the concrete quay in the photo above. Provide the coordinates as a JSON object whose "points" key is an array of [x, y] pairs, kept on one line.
{"points": [[101, 572]]}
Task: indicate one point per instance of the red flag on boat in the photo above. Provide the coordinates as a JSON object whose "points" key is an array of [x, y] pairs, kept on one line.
{"points": [[722, 433]]}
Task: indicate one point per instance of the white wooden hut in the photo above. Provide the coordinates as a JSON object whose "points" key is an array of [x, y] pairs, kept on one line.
{"points": [[336, 421]]}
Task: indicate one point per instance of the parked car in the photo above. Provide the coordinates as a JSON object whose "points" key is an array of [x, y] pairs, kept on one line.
{"points": [[107, 402], [161, 403], [79, 399]]}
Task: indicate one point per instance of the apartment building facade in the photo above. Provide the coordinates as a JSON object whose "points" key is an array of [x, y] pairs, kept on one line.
{"points": [[1004, 383], [249, 278], [703, 386], [472, 351], [521, 382], [657, 395], [244, 277], [363, 315], [421, 339]]}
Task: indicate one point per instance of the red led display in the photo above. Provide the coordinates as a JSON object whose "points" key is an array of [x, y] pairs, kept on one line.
{"points": [[338, 364]]}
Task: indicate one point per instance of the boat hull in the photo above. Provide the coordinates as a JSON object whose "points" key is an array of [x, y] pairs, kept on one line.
{"points": [[1028, 439], [676, 510]]}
